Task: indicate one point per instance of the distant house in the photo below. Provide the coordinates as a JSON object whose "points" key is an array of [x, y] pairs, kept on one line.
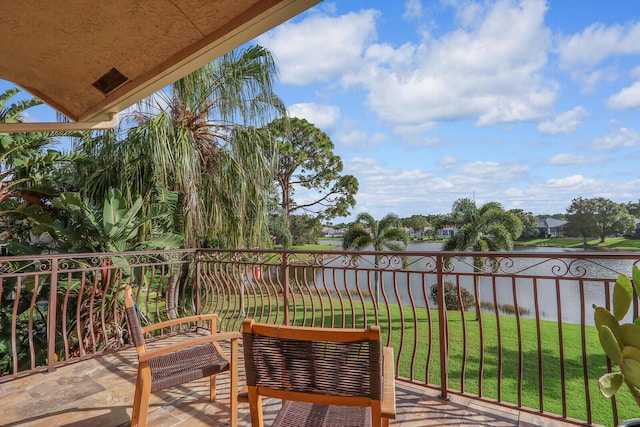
{"points": [[417, 234], [332, 232], [551, 227], [447, 232]]}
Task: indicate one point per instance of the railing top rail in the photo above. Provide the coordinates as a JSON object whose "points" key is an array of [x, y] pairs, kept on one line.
{"points": [[513, 254], [52, 256]]}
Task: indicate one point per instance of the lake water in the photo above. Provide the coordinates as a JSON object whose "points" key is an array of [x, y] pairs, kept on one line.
{"points": [[576, 283]]}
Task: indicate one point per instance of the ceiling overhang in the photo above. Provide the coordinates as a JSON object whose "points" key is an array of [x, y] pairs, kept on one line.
{"points": [[90, 60]]}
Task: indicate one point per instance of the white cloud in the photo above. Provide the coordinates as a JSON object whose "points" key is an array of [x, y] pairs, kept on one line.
{"points": [[566, 159], [494, 171], [321, 47], [412, 9], [584, 54], [596, 43], [414, 135], [572, 183], [322, 116], [379, 138], [618, 138], [628, 98], [448, 161], [355, 140], [566, 122], [328, 119], [590, 80], [469, 15], [26, 117], [385, 189], [490, 68]]}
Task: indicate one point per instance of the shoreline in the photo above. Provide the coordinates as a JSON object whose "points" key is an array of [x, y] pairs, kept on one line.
{"points": [[611, 244]]}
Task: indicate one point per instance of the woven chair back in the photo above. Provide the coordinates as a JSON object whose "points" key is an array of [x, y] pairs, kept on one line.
{"points": [[314, 366], [133, 320]]}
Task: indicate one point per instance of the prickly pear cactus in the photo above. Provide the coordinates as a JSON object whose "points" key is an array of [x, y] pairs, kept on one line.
{"points": [[621, 343]]}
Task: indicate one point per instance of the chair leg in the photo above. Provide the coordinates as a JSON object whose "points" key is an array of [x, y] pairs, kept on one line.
{"points": [[145, 394], [255, 408], [233, 384], [376, 417], [135, 412], [212, 388]]}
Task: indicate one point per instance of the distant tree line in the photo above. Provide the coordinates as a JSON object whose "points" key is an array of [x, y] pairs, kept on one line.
{"points": [[585, 218], [598, 217]]}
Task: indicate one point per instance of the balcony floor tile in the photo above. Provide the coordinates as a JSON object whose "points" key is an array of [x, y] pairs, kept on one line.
{"points": [[99, 392]]}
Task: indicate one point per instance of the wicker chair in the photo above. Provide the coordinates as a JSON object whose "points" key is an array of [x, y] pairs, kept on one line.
{"points": [[325, 377], [179, 363]]}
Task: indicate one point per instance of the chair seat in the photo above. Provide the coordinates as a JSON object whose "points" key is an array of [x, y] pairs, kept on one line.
{"points": [[303, 414], [186, 365]]}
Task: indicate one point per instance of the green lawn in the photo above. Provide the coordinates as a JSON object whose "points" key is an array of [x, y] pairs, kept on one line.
{"points": [[513, 351], [310, 247], [611, 243]]}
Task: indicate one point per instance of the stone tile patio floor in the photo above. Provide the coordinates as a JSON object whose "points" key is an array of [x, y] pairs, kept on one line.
{"points": [[99, 392]]}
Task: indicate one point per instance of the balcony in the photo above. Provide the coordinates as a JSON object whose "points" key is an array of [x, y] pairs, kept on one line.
{"points": [[99, 392], [523, 351]]}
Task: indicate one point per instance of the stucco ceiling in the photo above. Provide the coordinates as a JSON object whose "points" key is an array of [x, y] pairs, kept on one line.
{"points": [[89, 59]]}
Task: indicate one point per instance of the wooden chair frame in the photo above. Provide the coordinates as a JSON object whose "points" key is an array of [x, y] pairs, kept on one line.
{"points": [[382, 408], [204, 346]]}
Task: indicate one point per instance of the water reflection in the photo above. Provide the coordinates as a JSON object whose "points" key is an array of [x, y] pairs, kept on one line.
{"points": [[563, 288]]}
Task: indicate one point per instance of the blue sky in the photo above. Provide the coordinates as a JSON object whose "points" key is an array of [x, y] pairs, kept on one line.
{"points": [[528, 103]]}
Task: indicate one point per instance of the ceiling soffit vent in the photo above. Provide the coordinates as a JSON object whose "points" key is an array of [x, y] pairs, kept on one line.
{"points": [[111, 80]]}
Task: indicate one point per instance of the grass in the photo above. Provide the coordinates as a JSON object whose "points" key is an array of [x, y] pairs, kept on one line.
{"points": [[610, 243], [311, 247], [503, 351], [621, 243]]}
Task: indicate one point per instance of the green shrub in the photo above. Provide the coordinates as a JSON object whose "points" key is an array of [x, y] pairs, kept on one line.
{"points": [[511, 309], [451, 299], [487, 306]]}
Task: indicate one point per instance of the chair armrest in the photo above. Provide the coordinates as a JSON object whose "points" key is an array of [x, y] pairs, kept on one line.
{"points": [[193, 342], [178, 321], [388, 403]]}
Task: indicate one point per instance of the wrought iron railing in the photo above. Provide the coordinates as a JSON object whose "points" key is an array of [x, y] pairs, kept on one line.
{"points": [[518, 330]]}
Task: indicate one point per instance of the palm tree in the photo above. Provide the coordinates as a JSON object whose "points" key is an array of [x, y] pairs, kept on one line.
{"points": [[487, 228], [15, 148], [30, 171], [201, 139], [384, 234]]}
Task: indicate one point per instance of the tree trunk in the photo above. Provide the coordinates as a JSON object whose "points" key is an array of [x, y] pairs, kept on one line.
{"points": [[376, 288], [286, 202]]}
